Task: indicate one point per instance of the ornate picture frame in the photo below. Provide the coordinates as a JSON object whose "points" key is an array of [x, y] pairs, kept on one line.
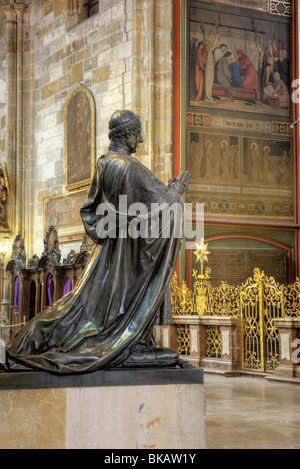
{"points": [[239, 61], [240, 175], [63, 212], [238, 141], [80, 139]]}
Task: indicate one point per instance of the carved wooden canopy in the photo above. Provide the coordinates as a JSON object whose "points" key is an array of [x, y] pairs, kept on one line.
{"points": [[18, 256]]}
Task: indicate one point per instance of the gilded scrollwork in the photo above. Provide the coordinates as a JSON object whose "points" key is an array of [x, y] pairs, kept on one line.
{"points": [[257, 302], [292, 299]]}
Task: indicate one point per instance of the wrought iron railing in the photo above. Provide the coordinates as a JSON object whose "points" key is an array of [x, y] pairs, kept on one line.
{"points": [[256, 304]]}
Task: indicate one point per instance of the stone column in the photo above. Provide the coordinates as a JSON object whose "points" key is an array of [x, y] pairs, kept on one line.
{"points": [[153, 81], [29, 141], [14, 33], [20, 193], [10, 35]]}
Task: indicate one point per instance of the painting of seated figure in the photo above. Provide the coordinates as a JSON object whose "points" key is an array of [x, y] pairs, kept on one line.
{"points": [[238, 61]]}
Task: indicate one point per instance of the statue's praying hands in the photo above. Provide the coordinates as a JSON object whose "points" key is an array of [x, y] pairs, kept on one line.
{"points": [[180, 183]]}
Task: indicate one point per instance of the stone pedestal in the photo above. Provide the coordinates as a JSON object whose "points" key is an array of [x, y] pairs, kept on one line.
{"points": [[229, 362], [289, 333], [134, 409]]}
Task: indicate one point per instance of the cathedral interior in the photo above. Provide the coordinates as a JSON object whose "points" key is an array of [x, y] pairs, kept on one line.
{"points": [[215, 84]]}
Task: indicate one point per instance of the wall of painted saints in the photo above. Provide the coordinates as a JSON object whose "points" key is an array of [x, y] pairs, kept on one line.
{"points": [[238, 108]]}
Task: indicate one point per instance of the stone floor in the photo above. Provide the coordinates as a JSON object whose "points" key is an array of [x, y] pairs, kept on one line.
{"points": [[251, 413]]}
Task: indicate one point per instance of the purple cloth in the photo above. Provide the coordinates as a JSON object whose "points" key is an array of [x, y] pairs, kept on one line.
{"points": [[50, 289], [68, 286], [17, 292]]}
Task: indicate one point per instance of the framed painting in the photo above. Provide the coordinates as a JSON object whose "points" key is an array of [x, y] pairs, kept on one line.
{"points": [[214, 161], [238, 60], [241, 176], [63, 212], [80, 139], [269, 164]]}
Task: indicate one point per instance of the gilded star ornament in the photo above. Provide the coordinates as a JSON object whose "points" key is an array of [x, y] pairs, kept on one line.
{"points": [[201, 252]]}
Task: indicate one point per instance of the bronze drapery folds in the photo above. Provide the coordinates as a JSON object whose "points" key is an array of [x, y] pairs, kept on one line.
{"points": [[106, 321]]}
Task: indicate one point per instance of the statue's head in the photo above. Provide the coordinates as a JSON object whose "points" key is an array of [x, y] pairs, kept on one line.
{"points": [[125, 130]]}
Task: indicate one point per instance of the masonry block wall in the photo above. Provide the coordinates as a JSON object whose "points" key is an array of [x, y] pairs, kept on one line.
{"points": [[123, 55]]}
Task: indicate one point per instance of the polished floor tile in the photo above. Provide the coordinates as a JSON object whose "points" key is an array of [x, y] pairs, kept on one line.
{"points": [[251, 413]]}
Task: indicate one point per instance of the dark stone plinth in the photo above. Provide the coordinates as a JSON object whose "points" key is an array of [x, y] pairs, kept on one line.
{"points": [[129, 377]]}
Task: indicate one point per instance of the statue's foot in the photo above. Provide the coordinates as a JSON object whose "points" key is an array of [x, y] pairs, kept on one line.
{"points": [[184, 364], [152, 357]]}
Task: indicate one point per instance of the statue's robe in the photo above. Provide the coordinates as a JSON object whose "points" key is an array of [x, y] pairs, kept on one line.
{"points": [[104, 321]]}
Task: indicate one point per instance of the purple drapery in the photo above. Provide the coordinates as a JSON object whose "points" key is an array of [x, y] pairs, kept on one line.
{"points": [[50, 289], [67, 286], [17, 292]]}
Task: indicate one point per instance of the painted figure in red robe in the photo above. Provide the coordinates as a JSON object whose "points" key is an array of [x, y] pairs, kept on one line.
{"points": [[250, 78]]}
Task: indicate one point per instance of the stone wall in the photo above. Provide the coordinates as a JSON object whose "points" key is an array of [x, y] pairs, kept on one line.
{"points": [[2, 90], [123, 55], [95, 53]]}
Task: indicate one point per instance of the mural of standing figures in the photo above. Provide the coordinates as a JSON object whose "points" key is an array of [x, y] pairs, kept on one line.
{"points": [[214, 158], [267, 163]]}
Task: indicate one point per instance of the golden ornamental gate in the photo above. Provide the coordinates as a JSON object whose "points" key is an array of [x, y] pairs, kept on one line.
{"points": [[261, 301], [256, 303]]}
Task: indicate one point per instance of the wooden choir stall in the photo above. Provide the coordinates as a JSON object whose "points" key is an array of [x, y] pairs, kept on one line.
{"points": [[44, 280]]}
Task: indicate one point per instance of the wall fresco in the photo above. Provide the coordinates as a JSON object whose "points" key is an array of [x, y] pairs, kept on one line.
{"points": [[239, 63]]}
